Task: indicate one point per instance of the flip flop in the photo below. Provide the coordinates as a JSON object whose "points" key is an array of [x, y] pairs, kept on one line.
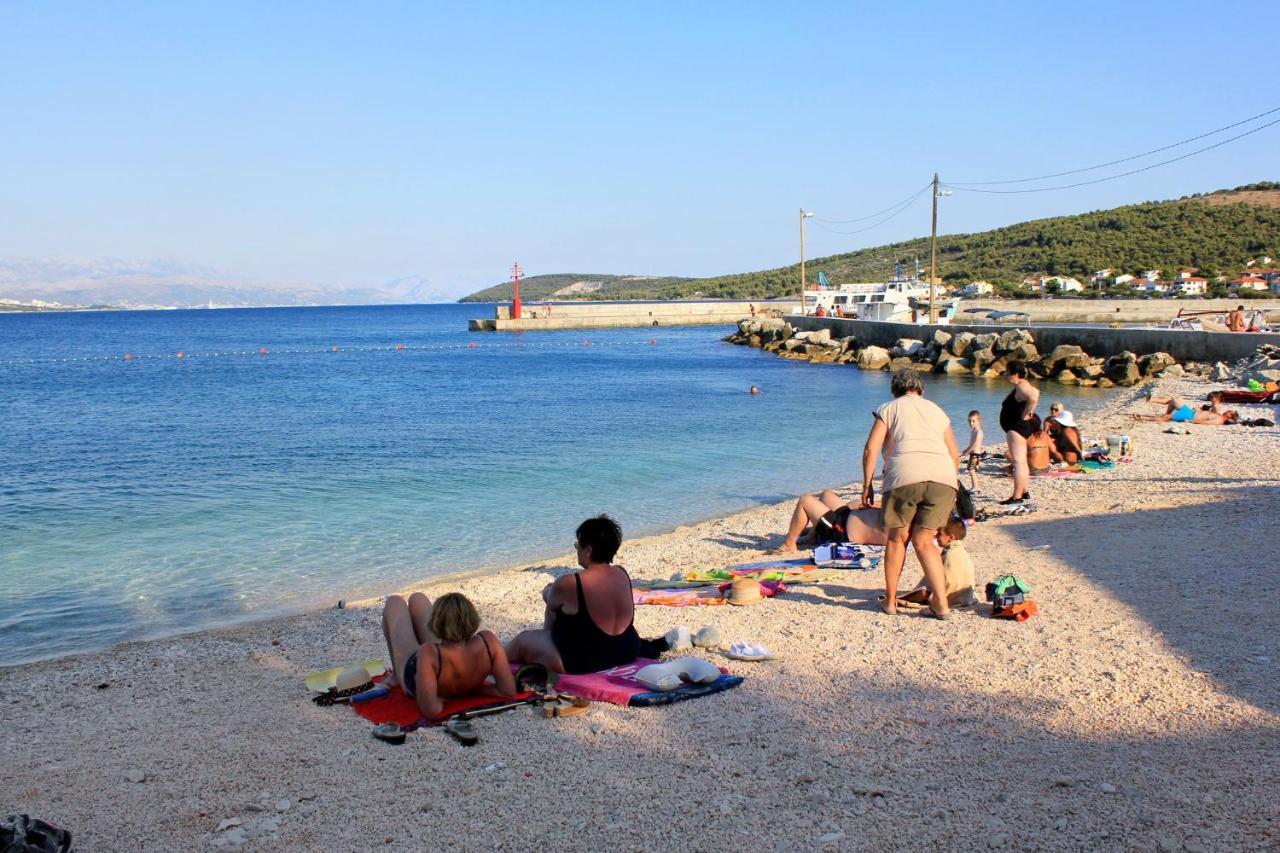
{"points": [[748, 652], [941, 617], [462, 730], [389, 733]]}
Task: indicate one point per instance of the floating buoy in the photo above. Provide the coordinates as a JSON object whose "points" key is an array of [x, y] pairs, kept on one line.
{"points": [[181, 354], [471, 345], [262, 351], [399, 346], [128, 356]]}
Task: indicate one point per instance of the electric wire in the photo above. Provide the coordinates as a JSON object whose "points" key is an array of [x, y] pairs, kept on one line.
{"points": [[869, 215], [972, 189], [966, 184], [900, 208]]}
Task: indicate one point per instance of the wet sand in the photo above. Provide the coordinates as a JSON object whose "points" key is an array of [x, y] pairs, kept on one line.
{"points": [[1139, 710]]}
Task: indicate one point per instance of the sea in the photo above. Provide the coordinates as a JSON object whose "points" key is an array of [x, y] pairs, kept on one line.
{"points": [[292, 457]]}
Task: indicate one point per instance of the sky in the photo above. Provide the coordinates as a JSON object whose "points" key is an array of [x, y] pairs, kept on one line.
{"points": [[350, 144]]}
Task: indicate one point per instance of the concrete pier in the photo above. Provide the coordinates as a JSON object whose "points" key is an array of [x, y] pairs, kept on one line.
{"points": [[1097, 341], [610, 315]]}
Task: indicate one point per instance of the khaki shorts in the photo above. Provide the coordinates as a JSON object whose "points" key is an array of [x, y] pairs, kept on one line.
{"points": [[925, 505]]}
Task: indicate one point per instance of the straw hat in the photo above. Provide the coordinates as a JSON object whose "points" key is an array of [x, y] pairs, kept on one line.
{"points": [[745, 591]]}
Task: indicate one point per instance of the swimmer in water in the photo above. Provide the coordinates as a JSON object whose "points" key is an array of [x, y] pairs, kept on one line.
{"points": [[755, 389]]}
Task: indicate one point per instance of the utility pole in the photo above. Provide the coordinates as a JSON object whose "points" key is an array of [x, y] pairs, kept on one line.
{"points": [[804, 214], [933, 254]]}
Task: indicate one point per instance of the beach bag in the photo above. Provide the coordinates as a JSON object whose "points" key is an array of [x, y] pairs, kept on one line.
{"points": [[24, 834], [832, 526], [1007, 590], [964, 503]]}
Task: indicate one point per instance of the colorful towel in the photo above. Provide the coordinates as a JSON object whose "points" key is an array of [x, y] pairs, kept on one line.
{"points": [[800, 570], [1092, 465], [398, 707], [1059, 472], [678, 597]]}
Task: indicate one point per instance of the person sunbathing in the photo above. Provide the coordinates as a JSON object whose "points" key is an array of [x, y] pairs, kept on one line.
{"points": [[438, 653], [1066, 438], [832, 518], [1179, 411], [589, 622]]}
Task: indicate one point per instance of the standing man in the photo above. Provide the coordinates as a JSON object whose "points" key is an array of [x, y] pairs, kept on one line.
{"points": [[920, 463]]}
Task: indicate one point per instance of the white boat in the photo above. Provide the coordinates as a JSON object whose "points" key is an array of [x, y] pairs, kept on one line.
{"points": [[901, 299]]}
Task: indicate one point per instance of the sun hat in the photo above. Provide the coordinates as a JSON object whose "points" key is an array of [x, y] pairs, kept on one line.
{"points": [[745, 591], [1065, 418]]}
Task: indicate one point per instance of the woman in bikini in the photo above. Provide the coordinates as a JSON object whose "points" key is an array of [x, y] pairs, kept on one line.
{"points": [[589, 624], [437, 653], [859, 526]]}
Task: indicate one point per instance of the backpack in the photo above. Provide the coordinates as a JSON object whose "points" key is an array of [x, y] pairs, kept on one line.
{"points": [[24, 834], [964, 503]]}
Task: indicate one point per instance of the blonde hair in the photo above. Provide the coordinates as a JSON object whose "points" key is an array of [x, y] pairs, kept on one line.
{"points": [[454, 618]]}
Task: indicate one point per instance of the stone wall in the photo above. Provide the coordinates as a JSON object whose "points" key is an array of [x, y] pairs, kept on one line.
{"points": [[539, 316]]}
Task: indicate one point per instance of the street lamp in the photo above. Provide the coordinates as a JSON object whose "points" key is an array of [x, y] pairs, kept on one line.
{"points": [[804, 214], [933, 250]]}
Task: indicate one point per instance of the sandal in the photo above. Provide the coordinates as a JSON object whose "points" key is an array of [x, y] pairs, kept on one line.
{"points": [[389, 733], [942, 617], [462, 730], [564, 705]]}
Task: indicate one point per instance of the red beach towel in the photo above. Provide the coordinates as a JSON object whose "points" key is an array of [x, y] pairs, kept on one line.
{"points": [[397, 707]]}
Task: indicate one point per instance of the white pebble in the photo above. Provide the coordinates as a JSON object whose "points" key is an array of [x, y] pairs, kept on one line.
{"points": [[1107, 788], [228, 823], [829, 837], [283, 805], [136, 776]]}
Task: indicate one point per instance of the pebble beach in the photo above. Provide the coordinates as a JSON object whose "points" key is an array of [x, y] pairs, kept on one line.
{"points": [[1139, 710]]}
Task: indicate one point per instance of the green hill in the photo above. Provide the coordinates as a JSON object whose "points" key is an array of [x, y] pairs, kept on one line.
{"points": [[1217, 232]]}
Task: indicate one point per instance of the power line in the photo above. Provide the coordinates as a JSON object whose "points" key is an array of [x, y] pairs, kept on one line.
{"points": [[974, 189], [964, 184], [900, 207], [869, 215]]}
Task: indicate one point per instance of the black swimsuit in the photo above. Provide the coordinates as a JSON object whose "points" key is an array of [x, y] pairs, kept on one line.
{"points": [[584, 647], [410, 685], [1011, 416]]}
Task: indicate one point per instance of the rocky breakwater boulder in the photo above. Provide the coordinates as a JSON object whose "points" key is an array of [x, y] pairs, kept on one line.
{"points": [[1263, 366], [987, 355]]}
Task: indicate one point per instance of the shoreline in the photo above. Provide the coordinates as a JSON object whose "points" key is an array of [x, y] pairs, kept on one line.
{"points": [[1100, 723]]}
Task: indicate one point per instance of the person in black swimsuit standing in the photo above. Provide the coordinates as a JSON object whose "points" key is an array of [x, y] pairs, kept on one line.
{"points": [[590, 615], [1015, 419]]}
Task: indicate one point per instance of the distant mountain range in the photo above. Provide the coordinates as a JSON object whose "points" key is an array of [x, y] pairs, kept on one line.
{"points": [[1219, 232], [134, 283]]}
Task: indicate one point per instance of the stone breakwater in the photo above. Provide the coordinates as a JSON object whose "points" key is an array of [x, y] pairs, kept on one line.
{"points": [[987, 355]]}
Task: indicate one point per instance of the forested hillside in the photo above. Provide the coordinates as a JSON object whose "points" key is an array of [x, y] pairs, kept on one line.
{"points": [[1217, 232]]}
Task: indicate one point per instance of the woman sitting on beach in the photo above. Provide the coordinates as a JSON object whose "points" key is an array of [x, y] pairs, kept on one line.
{"points": [[1040, 447], [842, 521], [1066, 438], [1179, 411], [590, 615], [438, 653], [1015, 419]]}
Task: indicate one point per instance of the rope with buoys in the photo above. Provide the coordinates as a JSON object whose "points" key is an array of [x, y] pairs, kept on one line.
{"points": [[184, 355]]}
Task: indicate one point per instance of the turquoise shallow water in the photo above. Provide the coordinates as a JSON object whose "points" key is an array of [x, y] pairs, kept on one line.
{"points": [[161, 495]]}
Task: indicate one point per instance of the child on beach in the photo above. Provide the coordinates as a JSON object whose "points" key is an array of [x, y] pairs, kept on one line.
{"points": [[973, 451], [438, 653], [957, 568]]}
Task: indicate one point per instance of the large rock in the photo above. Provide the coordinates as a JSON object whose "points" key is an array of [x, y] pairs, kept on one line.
{"points": [[1173, 371], [755, 341], [1011, 339], [817, 336], [793, 344], [962, 343], [1066, 377], [1155, 363], [941, 338], [987, 340], [1062, 353], [981, 357], [873, 358], [819, 354], [955, 366], [922, 366], [788, 330], [848, 344], [1024, 351], [1122, 369], [996, 368], [900, 362], [1091, 371], [906, 347]]}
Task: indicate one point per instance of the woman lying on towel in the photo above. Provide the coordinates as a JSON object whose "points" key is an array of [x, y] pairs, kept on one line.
{"points": [[437, 653], [1180, 412], [589, 624], [833, 520]]}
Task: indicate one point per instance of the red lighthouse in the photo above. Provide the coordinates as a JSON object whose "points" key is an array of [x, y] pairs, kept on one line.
{"points": [[516, 307]]}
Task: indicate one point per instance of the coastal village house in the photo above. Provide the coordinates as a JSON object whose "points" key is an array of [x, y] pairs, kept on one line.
{"points": [[1151, 275], [1249, 282], [1191, 286], [1066, 284], [976, 288], [1123, 279]]}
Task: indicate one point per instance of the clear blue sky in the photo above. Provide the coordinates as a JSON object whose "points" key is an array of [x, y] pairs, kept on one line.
{"points": [[351, 144]]}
